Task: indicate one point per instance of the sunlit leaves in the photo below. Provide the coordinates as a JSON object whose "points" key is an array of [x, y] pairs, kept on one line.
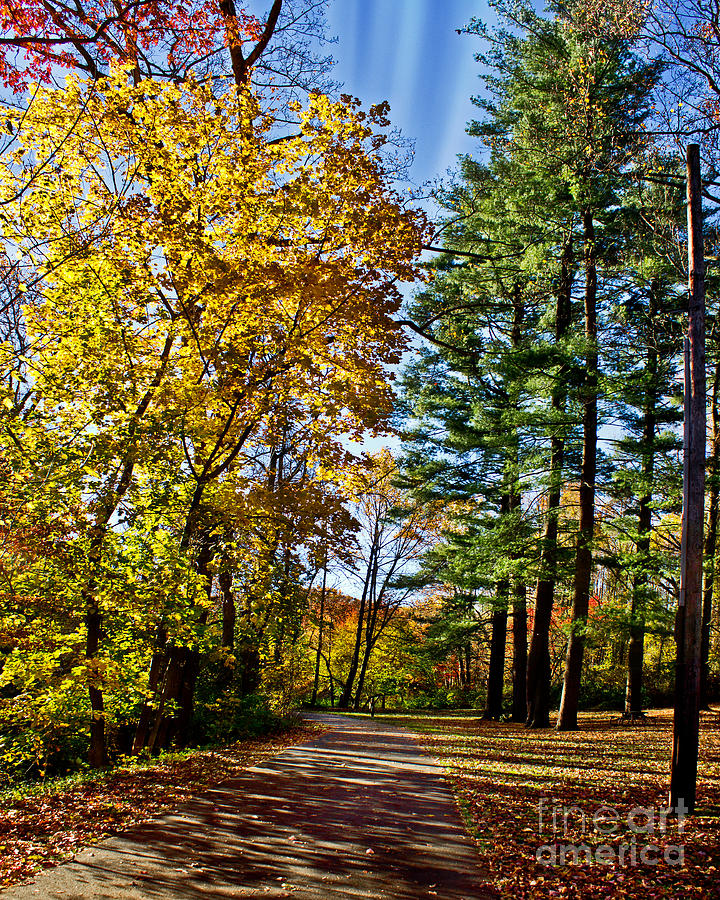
{"points": [[195, 294]]}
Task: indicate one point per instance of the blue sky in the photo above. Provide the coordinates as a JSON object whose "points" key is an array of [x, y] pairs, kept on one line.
{"points": [[408, 52]]}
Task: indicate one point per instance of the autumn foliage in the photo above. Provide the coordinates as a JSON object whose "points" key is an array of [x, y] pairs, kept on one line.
{"points": [[153, 36], [198, 316]]}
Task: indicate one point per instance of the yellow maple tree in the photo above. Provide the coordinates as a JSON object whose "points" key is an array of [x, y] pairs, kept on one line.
{"points": [[185, 276]]}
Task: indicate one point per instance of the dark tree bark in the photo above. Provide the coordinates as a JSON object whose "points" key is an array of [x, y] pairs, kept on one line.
{"points": [[711, 539], [520, 650], [97, 756], [347, 691], [229, 662], [179, 668], [332, 684], [162, 730], [567, 720], [538, 663], [157, 669], [372, 632], [172, 671], [118, 487], [636, 644], [283, 594], [191, 660], [371, 619], [318, 656], [496, 673], [229, 612], [241, 65], [498, 638], [519, 601]]}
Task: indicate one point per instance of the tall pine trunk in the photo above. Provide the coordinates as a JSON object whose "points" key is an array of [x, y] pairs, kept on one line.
{"points": [[538, 662], [636, 645], [496, 673], [498, 639], [520, 651], [567, 719], [519, 600]]}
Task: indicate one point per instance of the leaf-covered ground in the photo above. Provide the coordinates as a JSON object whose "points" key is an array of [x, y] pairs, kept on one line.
{"points": [[44, 826], [501, 772]]}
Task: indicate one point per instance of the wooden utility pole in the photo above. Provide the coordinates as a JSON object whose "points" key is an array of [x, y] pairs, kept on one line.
{"points": [[688, 629]]}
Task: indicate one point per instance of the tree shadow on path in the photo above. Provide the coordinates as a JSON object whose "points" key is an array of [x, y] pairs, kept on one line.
{"points": [[358, 812]]}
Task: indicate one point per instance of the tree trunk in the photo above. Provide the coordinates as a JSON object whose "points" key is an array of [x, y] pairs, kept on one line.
{"points": [[345, 696], [157, 669], [115, 492], [332, 684], [186, 699], [361, 678], [567, 719], [519, 704], [283, 594], [538, 663], [98, 750], [241, 65], [313, 700], [164, 726], [711, 540], [229, 619], [191, 662], [496, 673], [636, 653], [229, 612], [370, 626], [636, 645], [519, 603], [180, 677], [97, 754]]}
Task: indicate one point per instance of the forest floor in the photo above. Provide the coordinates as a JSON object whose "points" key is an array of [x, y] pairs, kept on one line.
{"points": [[45, 823], [360, 811], [587, 783], [354, 809]]}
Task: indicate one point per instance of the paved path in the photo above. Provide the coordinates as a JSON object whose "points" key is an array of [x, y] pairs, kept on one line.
{"points": [[358, 812]]}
